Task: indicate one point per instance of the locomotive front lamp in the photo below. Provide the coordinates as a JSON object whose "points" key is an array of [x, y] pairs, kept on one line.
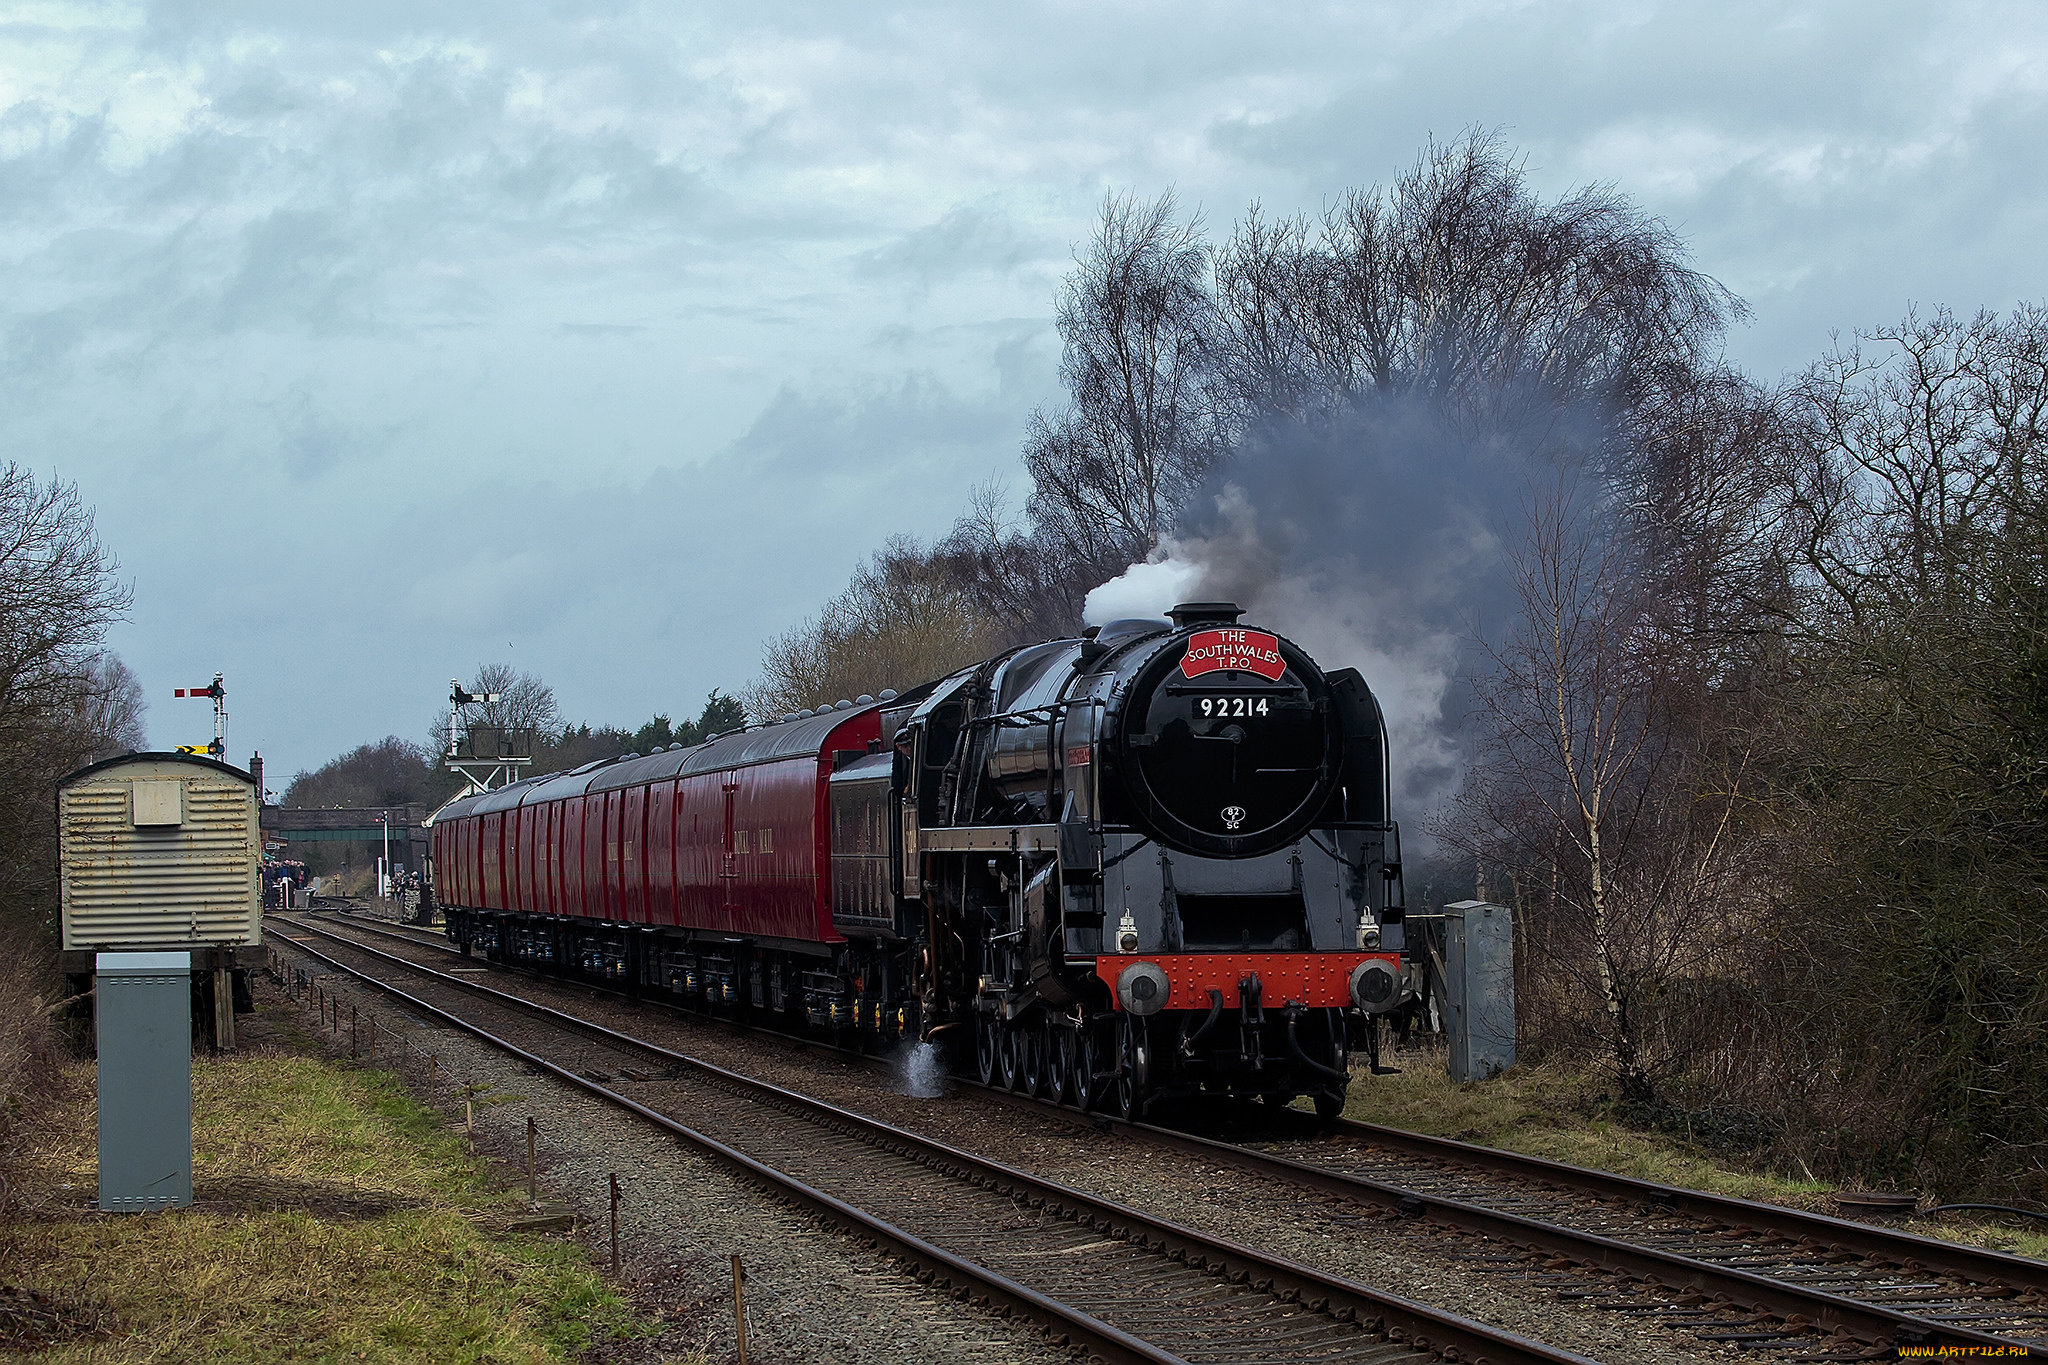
{"points": [[1127, 935]]}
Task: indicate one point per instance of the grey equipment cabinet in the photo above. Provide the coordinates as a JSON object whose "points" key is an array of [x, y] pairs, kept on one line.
{"points": [[1479, 989], [145, 1080]]}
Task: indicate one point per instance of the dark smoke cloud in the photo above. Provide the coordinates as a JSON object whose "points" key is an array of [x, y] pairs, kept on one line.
{"points": [[1376, 541]]}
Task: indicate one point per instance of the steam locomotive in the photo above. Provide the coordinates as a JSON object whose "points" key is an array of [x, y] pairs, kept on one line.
{"points": [[1155, 860]]}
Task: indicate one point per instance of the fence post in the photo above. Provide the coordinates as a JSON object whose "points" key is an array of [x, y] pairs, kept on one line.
{"points": [[739, 1308], [615, 1223], [532, 1176]]}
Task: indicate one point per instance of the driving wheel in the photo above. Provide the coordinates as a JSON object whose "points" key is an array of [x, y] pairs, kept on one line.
{"points": [[1007, 1069], [1058, 1049]]}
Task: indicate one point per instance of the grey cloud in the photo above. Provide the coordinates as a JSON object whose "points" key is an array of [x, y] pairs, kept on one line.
{"points": [[39, 346], [387, 252], [298, 266], [971, 238], [34, 184], [315, 443], [909, 421]]}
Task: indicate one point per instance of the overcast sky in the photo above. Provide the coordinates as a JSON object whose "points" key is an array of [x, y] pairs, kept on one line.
{"points": [[389, 339]]}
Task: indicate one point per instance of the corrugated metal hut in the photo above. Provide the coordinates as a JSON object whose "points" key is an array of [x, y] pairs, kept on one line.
{"points": [[163, 851]]}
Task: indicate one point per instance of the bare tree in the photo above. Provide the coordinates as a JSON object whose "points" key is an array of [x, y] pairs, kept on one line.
{"points": [[58, 594], [524, 709], [1022, 583], [388, 773], [1597, 789], [903, 620], [1915, 743], [1921, 443], [523, 702], [1460, 285], [1112, 469], [110, 707]]}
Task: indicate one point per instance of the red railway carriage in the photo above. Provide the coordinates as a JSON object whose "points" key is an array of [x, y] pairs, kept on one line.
{"points": [[671, 854]]}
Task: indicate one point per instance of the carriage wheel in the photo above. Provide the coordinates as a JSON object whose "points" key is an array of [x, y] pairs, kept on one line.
{"points": [[985, 1048], [1057, 1046]]}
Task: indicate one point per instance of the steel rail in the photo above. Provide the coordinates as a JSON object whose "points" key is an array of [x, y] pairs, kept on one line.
{"points": [[1980, 1263], [1414, 1324], [1757, 1293], [1761, 1294], [1105, 1340]]}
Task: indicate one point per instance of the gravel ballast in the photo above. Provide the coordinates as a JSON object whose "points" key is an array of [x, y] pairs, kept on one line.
{"points": [[812, 1293], [1428, 1263]]}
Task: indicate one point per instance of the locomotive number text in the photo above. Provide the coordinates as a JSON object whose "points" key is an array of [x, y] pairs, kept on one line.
{"points": [[1234, 706]]}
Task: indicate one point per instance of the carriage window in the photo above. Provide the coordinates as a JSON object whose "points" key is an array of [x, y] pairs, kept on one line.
{"points": [[767, 844]]}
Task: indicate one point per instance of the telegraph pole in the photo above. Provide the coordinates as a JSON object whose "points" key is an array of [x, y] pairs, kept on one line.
{"points": [[384, 867]]}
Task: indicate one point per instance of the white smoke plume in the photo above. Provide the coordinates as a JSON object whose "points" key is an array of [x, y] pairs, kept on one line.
{"points": [[1147, 589], [1373, 541]]}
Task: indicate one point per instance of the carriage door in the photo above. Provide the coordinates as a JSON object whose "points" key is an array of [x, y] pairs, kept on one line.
{"points": [[730, 868]]}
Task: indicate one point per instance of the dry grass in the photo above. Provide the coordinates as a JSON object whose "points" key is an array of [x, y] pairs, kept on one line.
{"points": [[1551, 1111], [333, 1219], [27, 1052]]}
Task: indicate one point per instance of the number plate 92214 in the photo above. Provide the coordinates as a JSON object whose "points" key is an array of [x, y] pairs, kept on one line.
{"points": [[1232, 706]]}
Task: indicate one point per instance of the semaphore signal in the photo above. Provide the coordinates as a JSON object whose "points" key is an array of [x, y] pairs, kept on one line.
{"points": [[218, 691], [479, 772]]}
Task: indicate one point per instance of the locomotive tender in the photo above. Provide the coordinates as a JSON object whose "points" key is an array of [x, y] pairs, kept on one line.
{"points": [[1154, 860]]}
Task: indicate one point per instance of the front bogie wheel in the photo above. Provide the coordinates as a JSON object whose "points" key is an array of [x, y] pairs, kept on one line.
{"points": [[1131, 1094]]}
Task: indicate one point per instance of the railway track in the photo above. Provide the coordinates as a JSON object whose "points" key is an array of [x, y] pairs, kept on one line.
{"points": [[1722, 1269], [1743, 1272], [1127, 1286]]}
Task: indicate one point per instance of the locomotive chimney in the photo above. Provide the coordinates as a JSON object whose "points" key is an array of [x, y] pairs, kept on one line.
{"points": [[1205, 614]]}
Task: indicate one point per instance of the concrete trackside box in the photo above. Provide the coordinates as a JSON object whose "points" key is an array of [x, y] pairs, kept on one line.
{"points": [[159, 851]]}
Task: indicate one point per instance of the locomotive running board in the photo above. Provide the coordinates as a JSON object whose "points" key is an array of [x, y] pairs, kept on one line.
{"points": [[990, 839]]}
